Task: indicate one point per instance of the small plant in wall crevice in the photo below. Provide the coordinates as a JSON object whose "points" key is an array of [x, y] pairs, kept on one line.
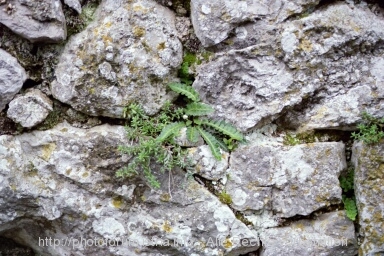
{"points": [[152, 139]]}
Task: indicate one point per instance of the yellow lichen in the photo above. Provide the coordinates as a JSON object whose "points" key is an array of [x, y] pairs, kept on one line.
{"points": [[48, 150], [138, 31], [227, 243], [167, 227], [117, 202], [306, 45]]}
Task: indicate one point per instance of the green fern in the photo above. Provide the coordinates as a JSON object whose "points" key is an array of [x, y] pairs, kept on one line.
{"points": [[192, 134], [211, 141], [350, 208], [185, 90], [224, 128], [169, 130], [198, 109]]}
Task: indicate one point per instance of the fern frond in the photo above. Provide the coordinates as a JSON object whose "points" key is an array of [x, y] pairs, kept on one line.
{"points": [[192, 134], [169, 130], [224, 128], [198, 109], [211, 141], [350, 208], [185, 90]]}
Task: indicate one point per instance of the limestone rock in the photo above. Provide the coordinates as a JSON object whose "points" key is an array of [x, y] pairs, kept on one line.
{"points": [[247, 87], [74, 4], [30, 109], [12, 77], [320, 71], [206, 165], [37, 21], [329, 234], [60, 184], [214, 20], [369, 191], [342, 46], [285, 180], [128, 54]]}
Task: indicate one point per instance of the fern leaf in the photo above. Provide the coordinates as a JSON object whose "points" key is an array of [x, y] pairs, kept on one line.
{"points": [[198, 109], [192, 134], [224, 128], [350, 208], [169, 130], [185, 90], [211, 141]]}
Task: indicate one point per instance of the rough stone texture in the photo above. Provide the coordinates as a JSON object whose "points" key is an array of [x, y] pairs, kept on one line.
{"points": [[30, 109], [129, 53], [74, 4], [206, 165], [37, 21], [245, 86], [328, 235], [322, 70], [284, 180], [12, 77], [343, 47], [213, 21], [59, 184], [369, 191]]}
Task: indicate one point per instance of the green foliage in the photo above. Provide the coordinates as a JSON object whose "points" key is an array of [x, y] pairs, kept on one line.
{"points": [[370, 130], [223, 134], [225, 198], [185, 90], [148, 148], [75, 24], [212, 142], [346, 181], [291, 140], [188, 60], [224, 128], [192, 134], [350, 208], [170, 129], [198, 109], [349, 201], [152, 138]]}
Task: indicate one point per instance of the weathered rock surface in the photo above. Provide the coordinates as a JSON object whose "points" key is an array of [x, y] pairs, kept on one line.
{"points": [[322, 70], [206, 165], [128, 54], [37, 21], [284, 180], [245, 86], [59, 184], [30, 109], [369, 191], [329, 234], [342, 47], [12, 77], [74, 4], [213, 21]]}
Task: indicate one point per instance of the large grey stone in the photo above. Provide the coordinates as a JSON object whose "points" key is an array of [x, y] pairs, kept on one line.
{"points": [[342, 47], [128, 54], [269, 181], [246, 86], [12, 77], [320, 71], [30, 109], [369, 191], [37, 21], [213, 21], [329, 234], [60, 184]]}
